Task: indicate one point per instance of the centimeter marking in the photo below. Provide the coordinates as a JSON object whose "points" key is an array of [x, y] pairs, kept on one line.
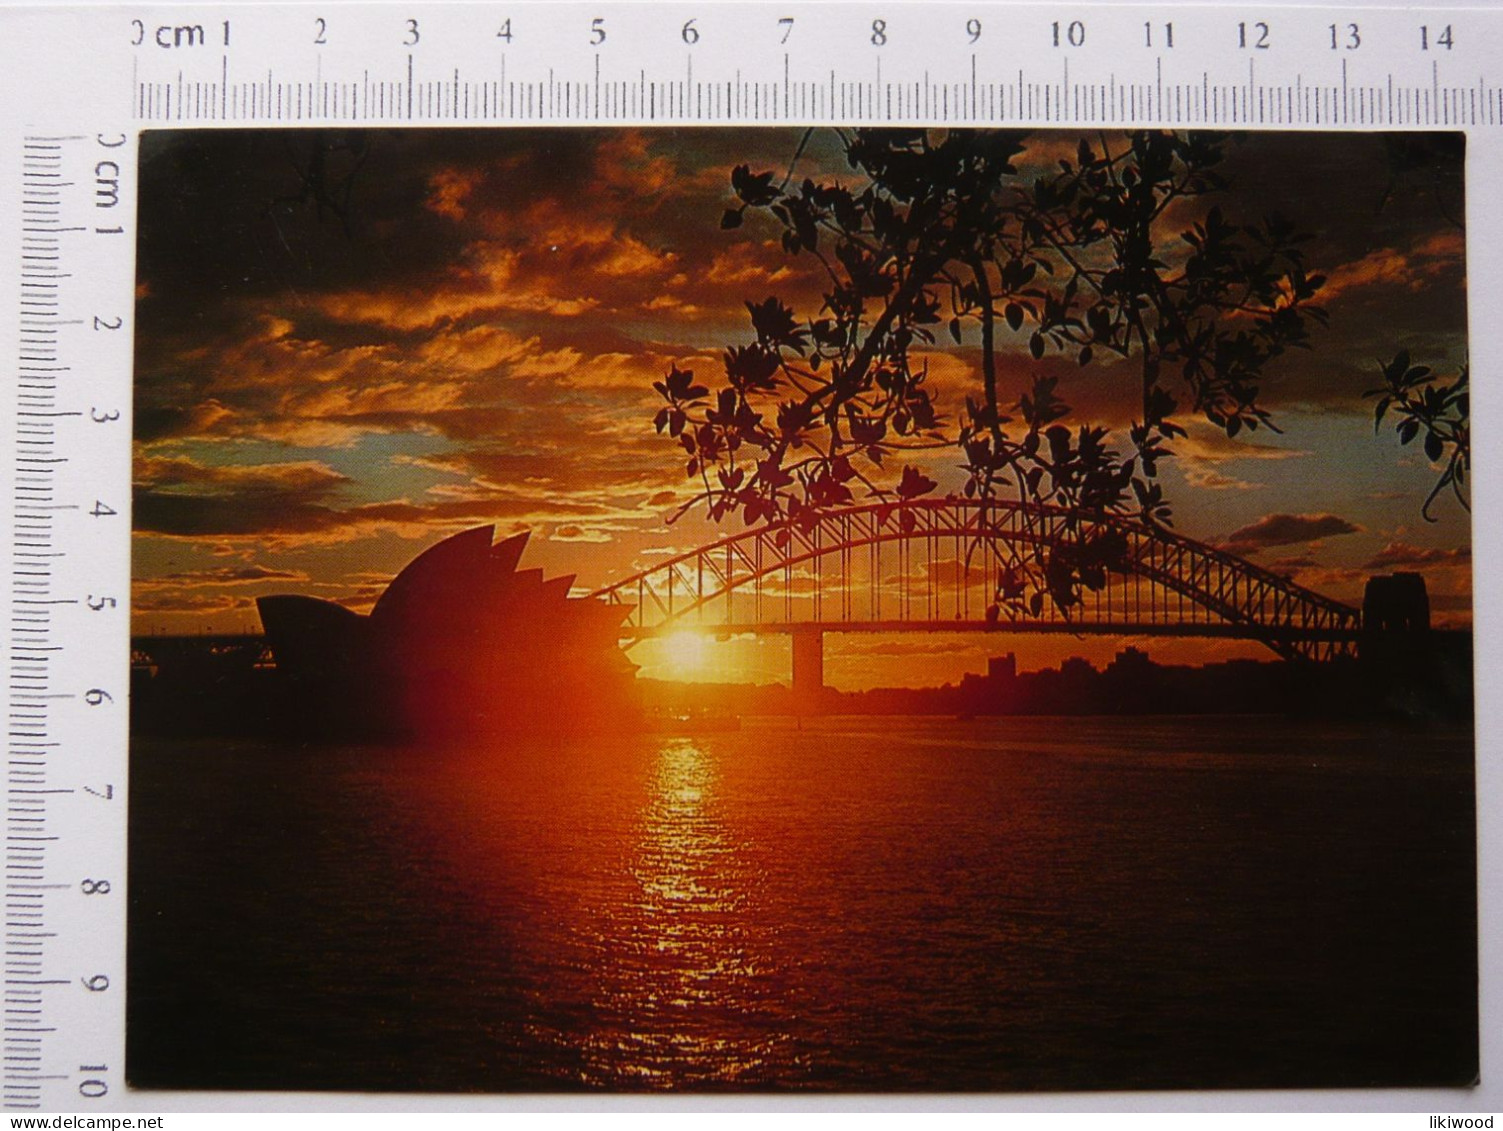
{"points": [[1183, 66], [34, 641], [966, 101]]}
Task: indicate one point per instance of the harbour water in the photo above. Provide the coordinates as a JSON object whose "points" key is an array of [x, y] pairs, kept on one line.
{"points": [[858, 904]]}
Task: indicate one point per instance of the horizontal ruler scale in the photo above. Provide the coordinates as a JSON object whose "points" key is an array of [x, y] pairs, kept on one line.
{"points": [[741, 100], [966, 64]]}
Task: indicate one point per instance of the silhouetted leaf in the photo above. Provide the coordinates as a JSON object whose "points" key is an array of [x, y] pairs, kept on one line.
{"points": [[1394, 371], [914, 483]]}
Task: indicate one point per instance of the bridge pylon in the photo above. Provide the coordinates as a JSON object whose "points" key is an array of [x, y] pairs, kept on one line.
{"points": [[808, 669]]}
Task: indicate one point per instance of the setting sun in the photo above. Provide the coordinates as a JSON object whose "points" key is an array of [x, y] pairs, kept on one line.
{"points": [[685, 653]]}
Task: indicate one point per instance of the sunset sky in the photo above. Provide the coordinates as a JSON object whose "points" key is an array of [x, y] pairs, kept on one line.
{"points": [[340, 361]]}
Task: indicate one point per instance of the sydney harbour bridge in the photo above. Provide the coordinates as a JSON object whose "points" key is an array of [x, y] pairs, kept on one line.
{"points": [[931, 566]]}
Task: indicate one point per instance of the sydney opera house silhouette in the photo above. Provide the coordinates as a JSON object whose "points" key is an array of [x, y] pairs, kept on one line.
{"points": [[461, 641]]}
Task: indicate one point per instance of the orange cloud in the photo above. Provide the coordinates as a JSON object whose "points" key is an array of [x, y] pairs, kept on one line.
{"points": [[1205, 443], [224, 575], [747, 264], [478, 349], [1401, 555], [1209, 479], [573, 532], [625, 162], [187, 602], [450, 190], [1412, 270]]}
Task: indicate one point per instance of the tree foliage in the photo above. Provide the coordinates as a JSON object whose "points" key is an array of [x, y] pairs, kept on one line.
{"points": [[1427, 404], [1118, 251]]}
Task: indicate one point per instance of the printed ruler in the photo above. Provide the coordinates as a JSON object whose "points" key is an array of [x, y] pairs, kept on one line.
{"points": [[81, 82], [847, 63]]}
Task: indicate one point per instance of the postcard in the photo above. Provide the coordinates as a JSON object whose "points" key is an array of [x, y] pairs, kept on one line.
{"points": [[801, 610]]}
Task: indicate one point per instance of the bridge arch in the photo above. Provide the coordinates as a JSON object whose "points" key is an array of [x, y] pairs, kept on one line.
{"points": [[930, 565]]}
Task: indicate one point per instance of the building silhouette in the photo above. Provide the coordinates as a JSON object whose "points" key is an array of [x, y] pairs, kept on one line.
{"points": [[462, 640]]}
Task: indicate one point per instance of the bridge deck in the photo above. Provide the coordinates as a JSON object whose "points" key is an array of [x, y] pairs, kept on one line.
{"points": [[144, 646], [635, 633]]}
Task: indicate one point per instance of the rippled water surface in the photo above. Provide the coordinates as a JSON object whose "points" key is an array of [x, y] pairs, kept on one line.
{"points": [[860, 904]]}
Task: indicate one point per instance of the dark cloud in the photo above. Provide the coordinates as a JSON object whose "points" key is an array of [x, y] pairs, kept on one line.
{"points": [[1286, 530], [184, 475], [197, 516], [292, 516], [255, 212], [181, 496], [562, 216], [1351, 192]]}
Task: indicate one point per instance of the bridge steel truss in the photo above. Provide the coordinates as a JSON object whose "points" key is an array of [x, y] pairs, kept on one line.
{"points": [[931, 566]]}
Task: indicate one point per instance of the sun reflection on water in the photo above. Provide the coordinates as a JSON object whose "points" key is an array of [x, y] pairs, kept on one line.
{"points": [[681, 996]]}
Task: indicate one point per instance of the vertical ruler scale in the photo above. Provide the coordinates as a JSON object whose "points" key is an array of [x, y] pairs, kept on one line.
{"points": [[34, 640], [62, 912]]}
